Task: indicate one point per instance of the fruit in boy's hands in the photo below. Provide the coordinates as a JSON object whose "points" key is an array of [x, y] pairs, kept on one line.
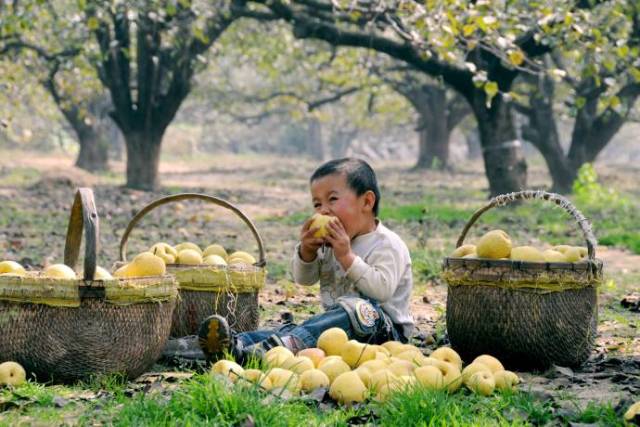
{"points": [[449, 355], [430, 377], [164, 251], [228, 368], [187, 245], [526, 253], [491, 362], [463, 250], [60, 271], [215, 249], [482, 383], [12, 267], [506, 380], [313, 353], [333, 368], [298, 364], [348, 388], [356, 353], [495, 244], [554, 256], [12, 373], [189, 257], [332, 340], [214, 260], [241, 257], [313, 379], [320, 221]]}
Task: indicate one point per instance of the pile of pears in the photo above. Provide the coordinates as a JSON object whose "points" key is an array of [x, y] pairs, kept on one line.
{"points": [[54, 271], [496, 244], [354, 371]]}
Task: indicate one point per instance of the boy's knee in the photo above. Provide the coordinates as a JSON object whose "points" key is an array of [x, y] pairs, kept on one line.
{"points": [[367, 319]]}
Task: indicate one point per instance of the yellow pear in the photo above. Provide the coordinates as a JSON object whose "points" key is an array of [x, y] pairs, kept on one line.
{"points": [[384, 391], [12, 373], [474, 255], [526, 253], [313, 379], [228, 369], [332, 340], [410, 355], [187, 245], [60, 271], [277, 356], [401, 368], [215, 249], [214, 260], [356, 353], [122, 271], [241, 257], [313, 353], [506, 380], [12, 267], [463, 250], [482, 382], [283, 378], [553, 256], [449, 355], [495, 244], [348, 388], [491, 362], [102, 274], [452, 376], [145, 264], [189, 257], [256, 376], [383, 377], [298, 364], [164, 251], [328, 359], [561, 248], [374, 365], [632, 412], [394, 347], [430, 377], [333, 368], [320, 221], [575, 254], [471, 369], [364, 374]]}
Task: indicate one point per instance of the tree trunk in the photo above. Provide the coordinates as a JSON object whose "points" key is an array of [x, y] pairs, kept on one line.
{"points": [[504, 163], [94, 150], [433, 137], [143, 159]]}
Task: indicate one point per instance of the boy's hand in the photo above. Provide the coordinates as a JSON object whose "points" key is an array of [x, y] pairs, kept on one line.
{"points": [[309, 245], [340, 242]]}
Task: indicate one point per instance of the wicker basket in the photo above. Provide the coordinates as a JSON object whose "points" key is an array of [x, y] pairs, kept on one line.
{"points": [[527, 314], [69, 330], [206, 289]]}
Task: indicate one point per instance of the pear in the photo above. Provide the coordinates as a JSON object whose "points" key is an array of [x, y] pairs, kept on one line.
{"points": [[283, 378], [328, 359], [348, 388], [228, 369], [554, 256], [383, 377], [575, 254], [187, 245], [241, 257], [495, 244], [12, 373], [313, 379], [333, 368], [491, 362], [256, 376], [506, 380], [143, 265], [164, 251], [471, 369], [12, 267], [276, 356], [298, 364], [356, 353], [189, 257], [332, 340], [374, 365], [320, 221], [463, 250], [215, 249], [401, 368], [410, 355], [313, 353], [449, 355], [214, 260], [526, 253], [430, 377], [102, 274], [482, 383], [60, 271]]}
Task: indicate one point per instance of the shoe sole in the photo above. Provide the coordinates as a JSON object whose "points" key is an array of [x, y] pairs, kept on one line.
{"points": [[214, 337]]}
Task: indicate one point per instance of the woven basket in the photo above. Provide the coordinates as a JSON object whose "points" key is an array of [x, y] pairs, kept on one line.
{"points": [[204, 289], [69, 330], [527, 314]]}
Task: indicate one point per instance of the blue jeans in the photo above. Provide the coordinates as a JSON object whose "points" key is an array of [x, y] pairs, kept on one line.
{"points": [[335, 317]]}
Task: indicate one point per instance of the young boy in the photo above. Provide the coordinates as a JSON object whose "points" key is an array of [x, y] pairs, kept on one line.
{"points": [[364, 271]]}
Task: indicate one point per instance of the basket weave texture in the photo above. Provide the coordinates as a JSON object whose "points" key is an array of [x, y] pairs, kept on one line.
{"points": [[69, 330], [527, 314], [204, 289]]}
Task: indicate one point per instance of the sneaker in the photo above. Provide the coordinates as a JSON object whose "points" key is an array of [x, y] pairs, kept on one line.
{"points": [[215, 337]]}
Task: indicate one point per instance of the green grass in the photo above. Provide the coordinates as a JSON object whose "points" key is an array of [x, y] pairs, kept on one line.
{"points": [[19, 177]]}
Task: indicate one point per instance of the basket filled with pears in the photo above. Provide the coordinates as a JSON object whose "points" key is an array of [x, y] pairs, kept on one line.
{"points": [[64, 326], [530, 307], [211, 280]]}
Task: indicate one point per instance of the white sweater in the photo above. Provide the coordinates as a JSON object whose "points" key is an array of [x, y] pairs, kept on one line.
{"points": [[381, 271]]}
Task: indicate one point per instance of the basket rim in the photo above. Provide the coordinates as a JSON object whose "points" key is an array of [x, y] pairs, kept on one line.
{"points": [[595, 264]]}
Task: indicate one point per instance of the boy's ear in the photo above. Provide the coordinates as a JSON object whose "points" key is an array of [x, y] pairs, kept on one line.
{"points": [[369, 199]]}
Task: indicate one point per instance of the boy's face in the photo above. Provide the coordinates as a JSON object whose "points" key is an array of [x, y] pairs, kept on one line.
{"points": [[331, 195]]}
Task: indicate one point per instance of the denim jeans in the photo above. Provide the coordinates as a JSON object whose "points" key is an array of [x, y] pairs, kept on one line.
{"points": [[309, 330]]}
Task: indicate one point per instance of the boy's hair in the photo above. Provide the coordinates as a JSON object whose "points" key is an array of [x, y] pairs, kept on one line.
{"points": [[360, 176]]}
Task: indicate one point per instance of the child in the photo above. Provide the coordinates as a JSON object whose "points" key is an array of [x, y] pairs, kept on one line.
{"points": [[364, 271]]}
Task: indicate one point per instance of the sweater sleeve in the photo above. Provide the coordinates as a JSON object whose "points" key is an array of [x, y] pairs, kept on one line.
{"points": [[379, 276], [305, 273]]}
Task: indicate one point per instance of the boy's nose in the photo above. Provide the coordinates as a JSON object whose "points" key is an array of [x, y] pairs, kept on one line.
{"points": [[324, 210]]}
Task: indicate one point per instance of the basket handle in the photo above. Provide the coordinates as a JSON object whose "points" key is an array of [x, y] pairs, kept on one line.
{"points": [[563, 202], [84, 216], [184, 196]]}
